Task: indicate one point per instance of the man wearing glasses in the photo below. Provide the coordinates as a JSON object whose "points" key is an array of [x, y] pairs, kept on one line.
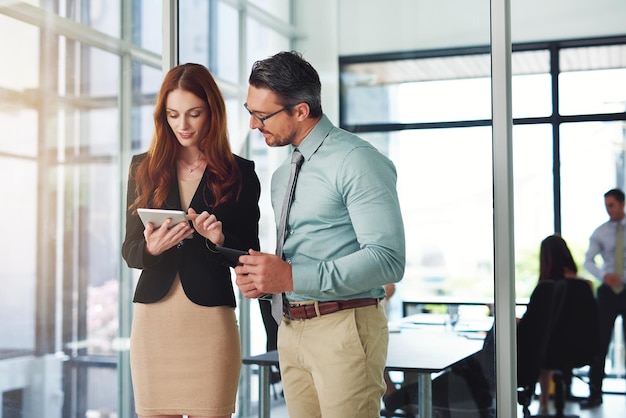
{"points": [[344, 242]]}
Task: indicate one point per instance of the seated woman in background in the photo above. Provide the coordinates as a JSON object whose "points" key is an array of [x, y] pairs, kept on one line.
{"points": [[555, 263], [471, 383]]}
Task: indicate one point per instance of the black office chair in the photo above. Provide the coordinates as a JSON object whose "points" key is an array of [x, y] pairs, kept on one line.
{"points": [[532, 332], [558, 332]]}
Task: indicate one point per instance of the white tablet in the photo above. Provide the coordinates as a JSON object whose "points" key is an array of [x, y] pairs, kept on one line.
{"points": [[157, 216]]}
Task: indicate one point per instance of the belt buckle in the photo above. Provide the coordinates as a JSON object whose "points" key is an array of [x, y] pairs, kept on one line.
{"points": [[290, 317], [303, 306]]}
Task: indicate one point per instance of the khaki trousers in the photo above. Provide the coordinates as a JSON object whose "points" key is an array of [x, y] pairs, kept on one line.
{"points": [[332, 366]]}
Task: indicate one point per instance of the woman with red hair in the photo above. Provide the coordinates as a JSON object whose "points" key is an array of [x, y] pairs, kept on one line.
{"points": [[184, 347]]}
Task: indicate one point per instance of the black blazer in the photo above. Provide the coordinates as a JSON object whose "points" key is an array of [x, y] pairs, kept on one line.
{"points": [[204, 274]]}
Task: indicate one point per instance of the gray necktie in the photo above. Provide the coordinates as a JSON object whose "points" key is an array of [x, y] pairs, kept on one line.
{"points": [[296, 162]]}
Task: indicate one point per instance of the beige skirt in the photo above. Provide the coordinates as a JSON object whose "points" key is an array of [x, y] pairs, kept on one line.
{"points": [[185, 358]]}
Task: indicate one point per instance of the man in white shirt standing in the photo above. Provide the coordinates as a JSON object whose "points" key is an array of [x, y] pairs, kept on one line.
{"points": [[608, 242]]}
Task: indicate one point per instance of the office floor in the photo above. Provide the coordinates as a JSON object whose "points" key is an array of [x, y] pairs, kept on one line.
{"points": [[614, 405]]}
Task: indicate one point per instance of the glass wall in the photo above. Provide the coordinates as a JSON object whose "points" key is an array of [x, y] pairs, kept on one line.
{"points": [[555, 150], [18, 157], [446, 201], [433, 111], [76, 98]]}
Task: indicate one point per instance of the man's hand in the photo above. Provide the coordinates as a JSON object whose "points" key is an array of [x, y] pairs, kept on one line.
{"points": [[262, 273]]}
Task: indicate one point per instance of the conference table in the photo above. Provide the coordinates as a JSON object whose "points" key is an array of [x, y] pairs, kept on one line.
{"points": [[414, 348]]}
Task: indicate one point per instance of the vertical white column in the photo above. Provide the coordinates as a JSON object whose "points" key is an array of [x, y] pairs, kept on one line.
{"points": [[170, 34], [506, 363]]}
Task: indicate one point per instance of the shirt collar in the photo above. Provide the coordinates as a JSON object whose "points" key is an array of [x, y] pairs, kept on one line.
{"points": [[315, 138]]}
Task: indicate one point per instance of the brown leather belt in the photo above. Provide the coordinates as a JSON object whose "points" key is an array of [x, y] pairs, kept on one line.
{"points": [[309, 311]]}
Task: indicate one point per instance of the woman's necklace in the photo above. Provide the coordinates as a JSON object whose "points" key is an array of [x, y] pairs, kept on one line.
{"points": [[192, 169]]}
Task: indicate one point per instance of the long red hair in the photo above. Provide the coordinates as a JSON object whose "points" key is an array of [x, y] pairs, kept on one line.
{"points": [[155, 174]]}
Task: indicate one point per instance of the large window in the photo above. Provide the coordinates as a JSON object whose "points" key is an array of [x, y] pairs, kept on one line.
{"points": [[74, 98], [565, 157], [444, 184], [430, 112]]}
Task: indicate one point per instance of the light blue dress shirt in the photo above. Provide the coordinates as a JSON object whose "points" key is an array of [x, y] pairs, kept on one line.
{"points": [[602, 242], [345, 235]]}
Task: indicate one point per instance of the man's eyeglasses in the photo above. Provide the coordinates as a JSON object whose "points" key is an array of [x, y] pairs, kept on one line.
{"points": [[264, 118]]}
